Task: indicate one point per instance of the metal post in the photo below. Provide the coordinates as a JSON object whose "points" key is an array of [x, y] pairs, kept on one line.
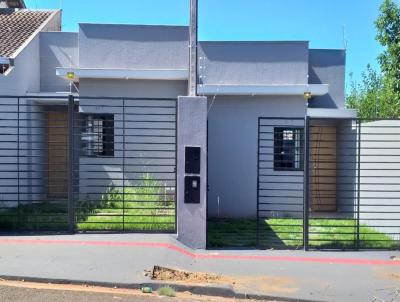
{"points": [[358, 182], [123, 165], [193, 42], [306, 197], [18, 162], [207, 190], [176, 168], [71, 206], [258, 186]]}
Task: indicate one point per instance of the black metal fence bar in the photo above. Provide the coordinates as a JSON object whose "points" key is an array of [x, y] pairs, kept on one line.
{"points": [[306, 187], [71, 163], [87, 164], [258, 186], [280, 190]]}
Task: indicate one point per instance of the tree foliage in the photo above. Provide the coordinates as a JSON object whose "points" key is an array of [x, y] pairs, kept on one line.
{"points": [[378, 95], [365, 96]]}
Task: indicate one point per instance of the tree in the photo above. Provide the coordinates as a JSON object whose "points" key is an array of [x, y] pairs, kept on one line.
{"points": [[378, 96], [365, 97], [388, 26]]}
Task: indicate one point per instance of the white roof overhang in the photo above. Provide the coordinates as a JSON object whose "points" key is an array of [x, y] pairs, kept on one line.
{"points": [[128, 74], [289, 89]]}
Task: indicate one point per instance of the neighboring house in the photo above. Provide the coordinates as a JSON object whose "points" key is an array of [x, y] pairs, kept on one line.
{"points": [[280, 82]]}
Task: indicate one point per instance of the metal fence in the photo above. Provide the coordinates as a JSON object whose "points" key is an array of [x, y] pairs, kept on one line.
{"points": [[280, 182], [354, 184], [87, 164], [328, 184]]}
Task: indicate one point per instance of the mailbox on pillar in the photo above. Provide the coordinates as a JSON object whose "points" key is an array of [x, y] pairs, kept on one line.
{"points": [[192, 189], [192, 181], [192, 160]]}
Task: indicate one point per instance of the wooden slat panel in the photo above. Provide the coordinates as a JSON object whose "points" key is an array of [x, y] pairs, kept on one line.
{"points": [[323, 172], [57, 141]]}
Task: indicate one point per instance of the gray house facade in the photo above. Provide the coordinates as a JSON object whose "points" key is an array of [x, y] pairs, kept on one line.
{"points": [[258, 96]]}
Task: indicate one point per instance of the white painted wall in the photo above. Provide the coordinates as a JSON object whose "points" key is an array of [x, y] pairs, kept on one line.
{"points": [[232, 149], [57, 49], [380, 176]]}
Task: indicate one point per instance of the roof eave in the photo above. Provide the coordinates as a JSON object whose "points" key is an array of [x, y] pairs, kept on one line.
{"points": [[128, 74], [279, 89]]}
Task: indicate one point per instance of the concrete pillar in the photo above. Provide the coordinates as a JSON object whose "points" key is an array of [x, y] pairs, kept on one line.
{"points": [[193, 44], [192, 131]]}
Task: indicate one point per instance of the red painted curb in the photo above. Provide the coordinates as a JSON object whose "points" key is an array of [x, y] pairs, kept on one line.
{"points": [[185, 252]]}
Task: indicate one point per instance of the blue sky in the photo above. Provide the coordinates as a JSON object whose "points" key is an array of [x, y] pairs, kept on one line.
{"points": [[319, 21]]}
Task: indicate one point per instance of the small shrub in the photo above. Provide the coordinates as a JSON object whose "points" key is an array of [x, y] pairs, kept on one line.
{"points": [[144, 193], [166, 291]]}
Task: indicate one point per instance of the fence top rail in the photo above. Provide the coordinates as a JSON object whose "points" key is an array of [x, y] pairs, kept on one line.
{"points": [[330, 119], [65, 97], [353, 119]]}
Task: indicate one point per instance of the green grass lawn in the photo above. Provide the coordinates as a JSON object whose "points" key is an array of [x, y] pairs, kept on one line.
{"points": [[143, 206], [134, 216], [288, 233], [35, 217], [128, 215], [112, 214], [54, 217]]}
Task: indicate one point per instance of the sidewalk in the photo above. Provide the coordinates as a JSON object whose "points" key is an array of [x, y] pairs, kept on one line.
{"points": [[122, 259]]}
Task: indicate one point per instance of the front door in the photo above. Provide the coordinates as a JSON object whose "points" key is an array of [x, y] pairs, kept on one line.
{"points": [[57, 146], [323, 173]]}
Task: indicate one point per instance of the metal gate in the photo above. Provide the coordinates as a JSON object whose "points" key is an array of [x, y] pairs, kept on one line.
{"points": [[87, 164], [354, 184], [328, 184], [280, 182]]}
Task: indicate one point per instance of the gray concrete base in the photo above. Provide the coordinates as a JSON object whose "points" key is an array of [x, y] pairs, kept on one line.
{"points": [[192, 131]]}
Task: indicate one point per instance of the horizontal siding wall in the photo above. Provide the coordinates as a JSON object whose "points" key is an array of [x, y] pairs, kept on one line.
{"points": [[380, 176]]}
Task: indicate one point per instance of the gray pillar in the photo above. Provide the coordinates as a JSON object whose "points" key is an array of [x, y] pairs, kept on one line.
{"points": [[192, 131], [193, 44]]}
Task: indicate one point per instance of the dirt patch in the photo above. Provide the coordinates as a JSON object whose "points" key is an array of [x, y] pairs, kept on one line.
{"points": [[390, 274], [167, 274], [265, 284], [393, 276]]}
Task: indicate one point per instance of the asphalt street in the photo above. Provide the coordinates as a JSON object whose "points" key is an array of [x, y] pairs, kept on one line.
{"points": [[19, 293]]}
